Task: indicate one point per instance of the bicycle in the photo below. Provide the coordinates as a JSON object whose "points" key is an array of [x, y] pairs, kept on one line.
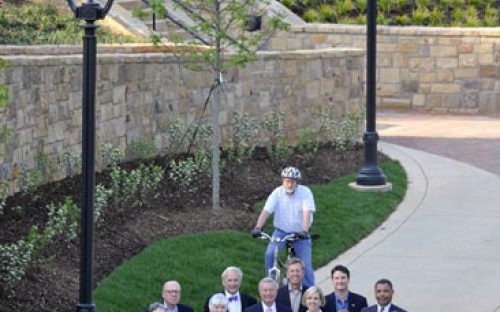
{"points": [[274, 272]]}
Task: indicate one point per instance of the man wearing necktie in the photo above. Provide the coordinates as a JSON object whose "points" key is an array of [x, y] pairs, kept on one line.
{"points": [[268, 290], [342, 299], [237, 301], [383, 294]]}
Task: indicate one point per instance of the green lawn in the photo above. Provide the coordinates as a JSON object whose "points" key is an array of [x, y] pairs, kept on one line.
{"points": [[343, 217]]}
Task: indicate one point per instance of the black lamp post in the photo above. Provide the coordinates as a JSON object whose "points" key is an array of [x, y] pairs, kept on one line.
{"points": [[370, 174], [89, 11]]}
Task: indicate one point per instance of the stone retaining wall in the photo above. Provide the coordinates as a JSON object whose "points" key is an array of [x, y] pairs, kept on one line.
{"points": [[451, 70], [140, 90]]}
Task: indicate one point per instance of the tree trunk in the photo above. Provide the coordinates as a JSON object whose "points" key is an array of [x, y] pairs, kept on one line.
{"points": [[215, 113]]}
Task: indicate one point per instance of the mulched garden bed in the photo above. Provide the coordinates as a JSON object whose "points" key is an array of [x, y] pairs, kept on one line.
{"points": [[54, 285]]}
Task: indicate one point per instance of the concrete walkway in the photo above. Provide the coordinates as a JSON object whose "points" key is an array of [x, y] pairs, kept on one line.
{"points": [[441, 247]]}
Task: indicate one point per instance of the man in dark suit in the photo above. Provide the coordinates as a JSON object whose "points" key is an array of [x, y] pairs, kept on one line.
{"points": [[268, 290], [341, 299], [291, 294], [383, 294], [172, 296], [237, 301]]}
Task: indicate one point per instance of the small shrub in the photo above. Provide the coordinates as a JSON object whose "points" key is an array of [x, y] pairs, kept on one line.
{"points": [[436, 17], [400, 4], [361, 19], [111, 156], [478, 4], [243, 140], [403, 20], [383, 20], [176, 135], [362, 6], [139, 186], [46, 166], [288, 3], [327, 13], [344, 7], [471, 17], [311, 16], [348, 131], [102, 195], [71, 162], [325, 123], [420, 16], [18, 257], [458, 17], [279, 152], [275, 143], [4, 194], [28, 181], [490, 17], [307, 143], [423, 4], [445, 4], [185, 173], [458, 3], [136, 187], [385, 6]]}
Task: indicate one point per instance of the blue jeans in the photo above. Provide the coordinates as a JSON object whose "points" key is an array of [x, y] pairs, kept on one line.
{"points": [[302, 250]]}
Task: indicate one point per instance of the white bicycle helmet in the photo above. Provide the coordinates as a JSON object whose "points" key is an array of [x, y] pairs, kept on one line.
{"points": [[291, 172]]}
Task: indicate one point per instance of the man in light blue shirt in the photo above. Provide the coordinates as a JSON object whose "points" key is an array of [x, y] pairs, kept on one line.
{"points": [[293, 208]]}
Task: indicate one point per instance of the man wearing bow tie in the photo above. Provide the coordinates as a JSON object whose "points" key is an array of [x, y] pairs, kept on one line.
{"points": [[237, 301]]}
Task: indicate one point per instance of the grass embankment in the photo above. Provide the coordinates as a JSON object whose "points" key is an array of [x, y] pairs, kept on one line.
{"points": [[343, 217], [43, 23]]}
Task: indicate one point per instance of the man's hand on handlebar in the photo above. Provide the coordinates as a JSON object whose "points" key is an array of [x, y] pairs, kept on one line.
{"points": [[256, 232], [302, 234]]}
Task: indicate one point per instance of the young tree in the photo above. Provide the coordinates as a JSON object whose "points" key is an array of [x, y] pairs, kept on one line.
{"points": [[225, 26]]}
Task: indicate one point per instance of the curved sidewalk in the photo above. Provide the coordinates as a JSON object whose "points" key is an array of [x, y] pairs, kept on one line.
{"points": [[441, 247]]}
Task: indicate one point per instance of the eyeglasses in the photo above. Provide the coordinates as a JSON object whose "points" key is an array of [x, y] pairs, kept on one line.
{"points": [[173, 291]]}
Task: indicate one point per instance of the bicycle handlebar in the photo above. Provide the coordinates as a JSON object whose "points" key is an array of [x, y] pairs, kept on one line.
{"points": [[290, 237]]}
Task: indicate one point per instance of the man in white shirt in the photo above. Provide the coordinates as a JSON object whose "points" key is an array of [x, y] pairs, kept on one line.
{"points": [[268, 290], [293, 207], [237, 301], [383, 294]]}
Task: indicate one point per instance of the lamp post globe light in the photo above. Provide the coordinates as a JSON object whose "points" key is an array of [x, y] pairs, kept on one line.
{"points": [[370, 177], [90, 11]]}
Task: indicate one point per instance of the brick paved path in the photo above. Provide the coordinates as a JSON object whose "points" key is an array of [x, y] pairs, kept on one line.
{"points": [[471, 139]]}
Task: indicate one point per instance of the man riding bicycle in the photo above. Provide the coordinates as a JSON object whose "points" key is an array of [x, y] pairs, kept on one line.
{"points": [[293, 208]]}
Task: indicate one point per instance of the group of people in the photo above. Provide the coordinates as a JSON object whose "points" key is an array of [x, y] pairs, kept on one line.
{"points": [[293, 207], [296, 296]]}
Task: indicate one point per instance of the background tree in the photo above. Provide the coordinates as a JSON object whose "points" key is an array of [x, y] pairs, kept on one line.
{"points": [[227, 27]]}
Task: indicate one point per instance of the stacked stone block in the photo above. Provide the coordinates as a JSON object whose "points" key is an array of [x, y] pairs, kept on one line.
{"points": [[140, 91], [450, 70]]}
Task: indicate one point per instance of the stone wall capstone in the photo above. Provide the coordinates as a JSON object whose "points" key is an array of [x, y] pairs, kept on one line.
{"points": [[141, 90]]}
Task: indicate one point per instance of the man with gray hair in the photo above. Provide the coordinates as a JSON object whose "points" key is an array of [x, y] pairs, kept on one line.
{"points": [[171, 297], [268, 289], [231, 281]]}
